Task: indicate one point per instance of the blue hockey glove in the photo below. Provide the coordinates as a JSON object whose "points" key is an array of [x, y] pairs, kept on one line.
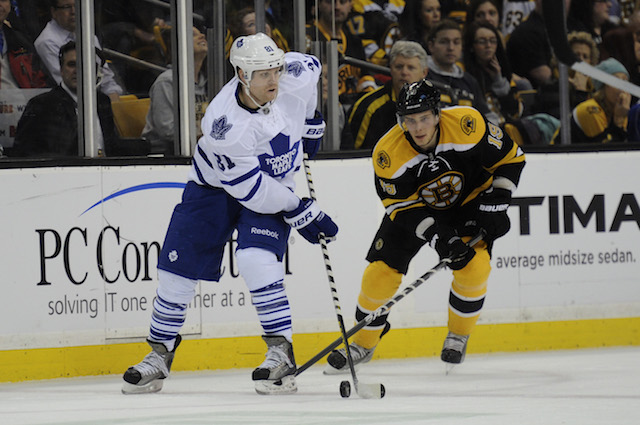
{"points": [[312, 134], [492, 213], [310, 222], [449, 245]]}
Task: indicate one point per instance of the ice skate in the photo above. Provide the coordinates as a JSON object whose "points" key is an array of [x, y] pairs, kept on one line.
{"points": [[454, 350], [148, 375], [276, 375], [337, 360]]}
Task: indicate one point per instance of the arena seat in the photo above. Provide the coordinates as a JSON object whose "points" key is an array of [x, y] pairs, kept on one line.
{"points": [[129, 115]]}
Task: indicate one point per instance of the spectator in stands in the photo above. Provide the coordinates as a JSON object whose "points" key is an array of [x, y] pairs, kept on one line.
{"points": [[514, 12], [128, 27], [485, 59], [29, 17], [352, 81], [603, 118], [391, 8], [484, 11], [377, 28], [455, 10], [20, 66], [529, 51], [60, 30], [445, 44], [590, 16], [375, 113], [489, 11], [279, 14], [624, 45], [243, 22], [49, 124], [159, 128], [585, 49], [418, 19]]}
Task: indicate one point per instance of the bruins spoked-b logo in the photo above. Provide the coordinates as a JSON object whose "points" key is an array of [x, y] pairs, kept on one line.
{"points": [[443, 191], [383, 160], [468, 124]]}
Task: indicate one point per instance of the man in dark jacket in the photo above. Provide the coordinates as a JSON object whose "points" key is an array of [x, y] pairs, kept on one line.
{"points": [[49, 125]]}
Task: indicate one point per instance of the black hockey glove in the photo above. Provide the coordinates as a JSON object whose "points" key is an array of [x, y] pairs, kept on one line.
{"points": [[310, 222], [449, 245], [492, 213], [312, 134]]}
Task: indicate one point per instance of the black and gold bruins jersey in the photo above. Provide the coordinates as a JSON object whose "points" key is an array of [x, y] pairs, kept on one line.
{"points": [[351, 79], [470, 153]]}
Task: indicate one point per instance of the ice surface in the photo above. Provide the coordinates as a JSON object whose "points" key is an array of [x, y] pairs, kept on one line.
{"points": [[581, 387]]}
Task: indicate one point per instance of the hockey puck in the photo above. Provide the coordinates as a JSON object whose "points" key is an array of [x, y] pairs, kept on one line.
{"points": [[345, 389], [383, 391]]}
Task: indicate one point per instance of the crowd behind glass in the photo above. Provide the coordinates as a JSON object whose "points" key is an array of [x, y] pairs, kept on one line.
{"points": [[492, 54]]}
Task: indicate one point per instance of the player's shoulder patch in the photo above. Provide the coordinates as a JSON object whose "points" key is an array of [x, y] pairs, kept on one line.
{"points": [[391, 152], [382, 159], [220, 127], [461, 127], [295, 68], [298, 63], [468, 124]]}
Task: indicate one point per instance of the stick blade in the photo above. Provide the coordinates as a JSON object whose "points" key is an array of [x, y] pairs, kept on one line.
{"points": [[370, 390]]}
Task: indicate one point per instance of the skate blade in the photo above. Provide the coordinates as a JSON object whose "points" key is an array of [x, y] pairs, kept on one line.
{"points": [[152, 387], [286, 385], [448, 368]]}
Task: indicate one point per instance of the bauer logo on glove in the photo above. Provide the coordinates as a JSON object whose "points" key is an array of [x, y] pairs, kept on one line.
{"points": [[492, 212], [312, 134], [311, 222]]}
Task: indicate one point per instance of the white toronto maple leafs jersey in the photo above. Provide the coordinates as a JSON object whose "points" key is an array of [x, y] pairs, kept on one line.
{"points": [[254, 155]]}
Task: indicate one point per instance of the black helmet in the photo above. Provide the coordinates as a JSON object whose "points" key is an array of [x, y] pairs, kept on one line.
{"points": [[418, 97]]}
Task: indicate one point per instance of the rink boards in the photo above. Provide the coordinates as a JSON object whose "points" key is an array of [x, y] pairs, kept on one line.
{"points": [[80, 246]]}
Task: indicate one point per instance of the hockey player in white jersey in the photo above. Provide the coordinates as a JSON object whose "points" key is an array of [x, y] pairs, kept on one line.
{"points": [[255, 132]]}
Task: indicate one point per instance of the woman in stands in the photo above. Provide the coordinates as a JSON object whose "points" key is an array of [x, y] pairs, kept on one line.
{"points": [[417, 19], [484, 58]]}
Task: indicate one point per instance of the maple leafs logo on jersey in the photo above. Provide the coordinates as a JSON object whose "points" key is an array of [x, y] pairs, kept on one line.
{"points": [[220, 128], [283, 158], [295, 68]]}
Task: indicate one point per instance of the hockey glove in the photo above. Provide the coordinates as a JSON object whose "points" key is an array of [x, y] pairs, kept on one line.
{"points": [[310, 222], [312, 134], [492, 213], [449, 245]]}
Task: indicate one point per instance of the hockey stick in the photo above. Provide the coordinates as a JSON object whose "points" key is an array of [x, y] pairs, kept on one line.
{"points": [[363, 390], [383, 309]]}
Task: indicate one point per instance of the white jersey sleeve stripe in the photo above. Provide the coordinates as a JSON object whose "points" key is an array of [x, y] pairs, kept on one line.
{"points": [[199, 173], [242, 178], [204, 156], [253, 191]]}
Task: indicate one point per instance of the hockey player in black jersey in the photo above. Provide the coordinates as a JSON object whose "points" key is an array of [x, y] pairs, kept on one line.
{"points": [[442, 175]]}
